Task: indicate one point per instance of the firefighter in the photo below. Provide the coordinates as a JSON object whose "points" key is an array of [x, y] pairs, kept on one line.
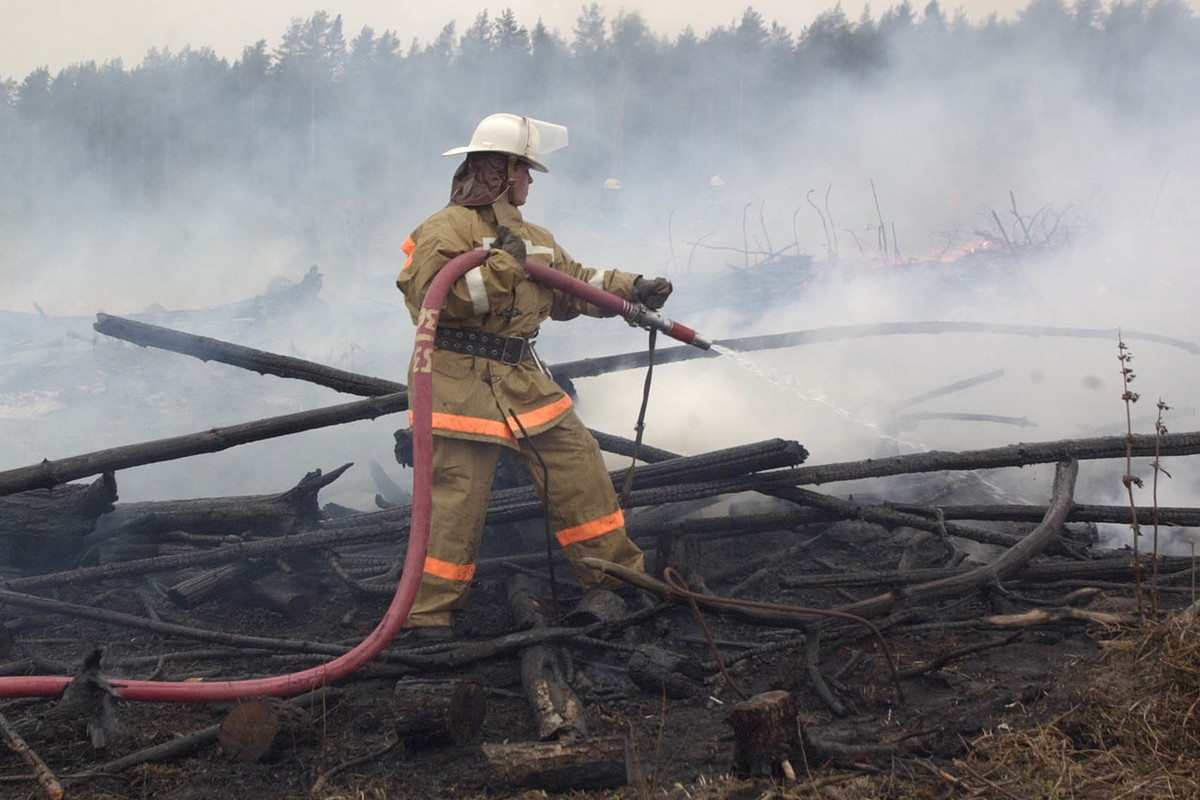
{"points": [[490, 390]]}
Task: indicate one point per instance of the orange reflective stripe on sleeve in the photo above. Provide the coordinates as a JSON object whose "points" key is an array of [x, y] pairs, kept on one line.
{"points": [[590, 530], [451, 572], [408, 247]]}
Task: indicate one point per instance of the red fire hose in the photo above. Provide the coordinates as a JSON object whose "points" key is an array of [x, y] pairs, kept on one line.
{"points": [[420, 399]]}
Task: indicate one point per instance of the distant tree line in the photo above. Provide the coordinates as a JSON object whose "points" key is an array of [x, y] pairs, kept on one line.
{"points": [[325, 117]]}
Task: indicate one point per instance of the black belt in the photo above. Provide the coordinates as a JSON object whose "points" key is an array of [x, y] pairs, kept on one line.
{"points": [[510, 350]]}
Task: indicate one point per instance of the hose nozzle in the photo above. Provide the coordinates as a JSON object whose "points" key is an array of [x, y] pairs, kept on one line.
{"points": [[643, 317]]}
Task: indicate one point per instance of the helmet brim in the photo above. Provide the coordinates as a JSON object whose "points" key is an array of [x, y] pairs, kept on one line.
{"points": [[458, 151]]}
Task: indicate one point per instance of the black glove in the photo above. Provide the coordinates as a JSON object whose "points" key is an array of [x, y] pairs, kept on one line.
{"points": [[651, 292], [510, 243]]}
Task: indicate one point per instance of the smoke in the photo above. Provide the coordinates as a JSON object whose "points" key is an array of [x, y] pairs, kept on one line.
{"points": [[832, 194]]}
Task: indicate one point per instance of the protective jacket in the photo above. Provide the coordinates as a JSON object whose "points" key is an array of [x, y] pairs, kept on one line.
{"points": [[485, 399]]}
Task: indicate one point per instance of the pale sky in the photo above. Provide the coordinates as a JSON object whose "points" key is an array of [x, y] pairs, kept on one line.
{"points": [[57, 33]]}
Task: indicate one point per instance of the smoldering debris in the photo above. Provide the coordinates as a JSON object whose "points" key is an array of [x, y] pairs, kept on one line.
{"points": [[846, 606]]}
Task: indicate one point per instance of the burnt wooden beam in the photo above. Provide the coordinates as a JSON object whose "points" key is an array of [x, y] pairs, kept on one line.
{"points": [[52, 473], [260, 361], [265, 362], [1016, 455], [232, 551], [44, 776], [264, 515], [1164, 515], [590, 367], [951, 388]]}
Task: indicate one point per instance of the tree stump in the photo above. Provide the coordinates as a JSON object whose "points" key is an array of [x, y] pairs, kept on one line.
{"points": [[259, 729], [583, 764], [432, 717], [766, 733]]}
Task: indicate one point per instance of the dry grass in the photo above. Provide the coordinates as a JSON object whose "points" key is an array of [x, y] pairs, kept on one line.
{"points": [[1132, 734]]}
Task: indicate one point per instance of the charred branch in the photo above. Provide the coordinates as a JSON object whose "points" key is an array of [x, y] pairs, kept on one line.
{"points": [[51, 473]]}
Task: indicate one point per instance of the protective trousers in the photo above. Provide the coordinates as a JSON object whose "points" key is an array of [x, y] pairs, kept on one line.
{"points": [[575, 489]]}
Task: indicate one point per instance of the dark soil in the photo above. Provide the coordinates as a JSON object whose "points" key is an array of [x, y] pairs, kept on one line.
{"points": [[679, 746]]}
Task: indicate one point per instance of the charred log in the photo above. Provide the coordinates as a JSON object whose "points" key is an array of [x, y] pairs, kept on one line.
{"points": [[557, 710], [602, 763], [204, 585], [286, 595], [45, 528], [263, 515], [660, 671], [51, 473]]}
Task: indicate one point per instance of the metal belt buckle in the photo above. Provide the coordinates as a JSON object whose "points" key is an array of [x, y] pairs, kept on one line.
{"points": [[512, 343]]}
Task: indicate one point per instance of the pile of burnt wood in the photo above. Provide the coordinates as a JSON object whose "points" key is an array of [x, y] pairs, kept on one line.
{"points": [[273, 551]]}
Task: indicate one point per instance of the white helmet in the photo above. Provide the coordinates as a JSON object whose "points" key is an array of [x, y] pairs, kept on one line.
{"points": [[524, 137]]}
